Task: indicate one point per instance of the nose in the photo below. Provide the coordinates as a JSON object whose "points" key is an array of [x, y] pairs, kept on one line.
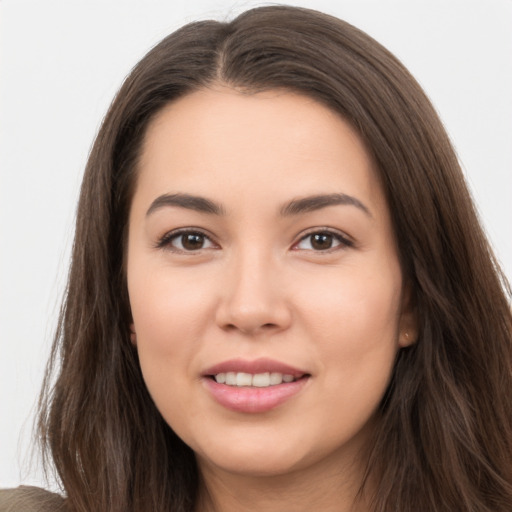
{"points": [[253, 297]]}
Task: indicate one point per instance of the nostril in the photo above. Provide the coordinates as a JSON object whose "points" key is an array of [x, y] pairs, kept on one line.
{"points": [[254, 329], [251, 318]]}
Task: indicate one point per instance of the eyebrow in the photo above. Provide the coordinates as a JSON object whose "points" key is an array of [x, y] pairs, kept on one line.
{"points": [[188, 201], [317, 202], [294, 207]]}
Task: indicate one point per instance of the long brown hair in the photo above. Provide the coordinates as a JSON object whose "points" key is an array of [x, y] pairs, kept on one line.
{"points": [[444, 435]]}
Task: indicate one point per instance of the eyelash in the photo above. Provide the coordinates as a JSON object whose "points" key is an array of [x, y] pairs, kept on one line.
{"points": [[166, 241], [343, 241]]}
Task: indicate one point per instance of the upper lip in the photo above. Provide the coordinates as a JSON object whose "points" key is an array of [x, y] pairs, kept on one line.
{"points": [[261, 365]]}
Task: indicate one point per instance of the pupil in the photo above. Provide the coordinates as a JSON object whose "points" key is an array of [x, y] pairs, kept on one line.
{"points": [[321, 241], [192, 241]]}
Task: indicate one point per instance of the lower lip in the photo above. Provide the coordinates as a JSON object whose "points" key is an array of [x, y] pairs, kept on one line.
{"points": [[252, 399]]}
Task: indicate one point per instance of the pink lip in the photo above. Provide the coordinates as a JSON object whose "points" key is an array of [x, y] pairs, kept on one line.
{"points": [[253, 399]]}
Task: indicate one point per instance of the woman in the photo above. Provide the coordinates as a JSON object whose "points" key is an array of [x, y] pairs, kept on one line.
{"points": [[280, 295]]}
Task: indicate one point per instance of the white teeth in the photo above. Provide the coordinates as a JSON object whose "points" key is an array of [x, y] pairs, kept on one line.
{"points": [[276, 378], [261, 380], [258, 380], [243, 379]]}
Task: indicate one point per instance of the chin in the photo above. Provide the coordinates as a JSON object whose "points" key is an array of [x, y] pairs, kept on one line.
{"points": [[255, 465], [265, 454], [276, 450]]}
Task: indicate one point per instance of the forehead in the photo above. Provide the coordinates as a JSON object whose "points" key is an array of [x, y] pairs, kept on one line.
{"points": [[217, 139]]}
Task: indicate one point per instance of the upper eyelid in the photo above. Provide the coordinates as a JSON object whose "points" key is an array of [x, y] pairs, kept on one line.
{"points": [[170, 235], [332, 231]]}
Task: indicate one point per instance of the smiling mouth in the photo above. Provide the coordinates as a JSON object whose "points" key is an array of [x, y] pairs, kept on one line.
{"points": [[255, 386], [258, 380]]}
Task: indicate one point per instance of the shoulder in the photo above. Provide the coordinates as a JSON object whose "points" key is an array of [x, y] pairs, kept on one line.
{"points": [[31, 499]]}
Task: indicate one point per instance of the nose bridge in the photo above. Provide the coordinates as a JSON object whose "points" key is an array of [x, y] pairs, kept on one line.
{"points": [[252, 299]]}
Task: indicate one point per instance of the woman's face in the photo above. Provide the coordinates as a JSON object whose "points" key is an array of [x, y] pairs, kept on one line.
{"points": [[261, 252]]}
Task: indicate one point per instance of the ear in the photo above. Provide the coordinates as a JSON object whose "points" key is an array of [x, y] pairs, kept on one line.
{"points": [[408, 324], [133, 334]]}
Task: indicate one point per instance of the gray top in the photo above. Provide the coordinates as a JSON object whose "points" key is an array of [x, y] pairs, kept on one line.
{"points": [[31, 499]]}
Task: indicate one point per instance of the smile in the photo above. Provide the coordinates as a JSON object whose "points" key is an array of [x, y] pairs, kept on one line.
{"points": [[254, 386], [258, 380]]}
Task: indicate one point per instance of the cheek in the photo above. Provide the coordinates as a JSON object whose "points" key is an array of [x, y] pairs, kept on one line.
{"points": [[165, 303], [168, 314], [356, 345], [354, 322], [352, 304]]}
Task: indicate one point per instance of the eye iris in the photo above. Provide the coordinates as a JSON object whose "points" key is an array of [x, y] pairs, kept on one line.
{"points": [[321, 241], [192, 241]]}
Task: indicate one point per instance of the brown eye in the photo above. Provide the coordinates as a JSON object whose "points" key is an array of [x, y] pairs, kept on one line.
{"points": [[186, 241], [323, 241], [192, 241]]}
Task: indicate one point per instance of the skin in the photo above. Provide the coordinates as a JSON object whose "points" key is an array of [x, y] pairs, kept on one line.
{"points": [[256, 286]]}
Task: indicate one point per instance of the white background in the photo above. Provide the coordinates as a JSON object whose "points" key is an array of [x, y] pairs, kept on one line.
{"points": [[61, 63]]}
